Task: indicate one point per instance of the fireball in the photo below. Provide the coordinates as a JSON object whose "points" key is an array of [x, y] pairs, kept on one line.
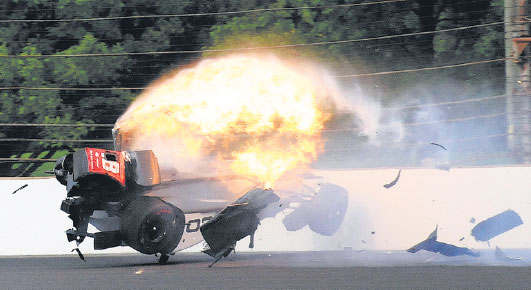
{"points": [[256, 115]]}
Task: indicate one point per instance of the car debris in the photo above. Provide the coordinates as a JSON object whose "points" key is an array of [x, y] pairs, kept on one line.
{"points": [[439, 145], [79, 254], [501, 256], [20, 188], [323, 212], [432, 245], [235, 222], [393, 183], [472, 220], [496, 225], [139, 271]]}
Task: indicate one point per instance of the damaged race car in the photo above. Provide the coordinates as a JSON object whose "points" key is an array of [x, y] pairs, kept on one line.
{"points": [[126, 198]]}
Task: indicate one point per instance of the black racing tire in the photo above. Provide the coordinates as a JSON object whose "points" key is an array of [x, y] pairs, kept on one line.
{"points": [[150, 225]]}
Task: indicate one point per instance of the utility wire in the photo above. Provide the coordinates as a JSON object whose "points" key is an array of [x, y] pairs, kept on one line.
{"points": [[325, 130], [255, 48], [53, 125], [337, 76], [455, 120], [181, 38], [203, 14], [420, 5], [69, 89], [30, 160], [445, 103], [56, 140], [489, 116], [424, 69], [27, 159], [481, 99]]}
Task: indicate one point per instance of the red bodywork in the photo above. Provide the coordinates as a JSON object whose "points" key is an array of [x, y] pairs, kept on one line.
{"points": [[106, 162]]}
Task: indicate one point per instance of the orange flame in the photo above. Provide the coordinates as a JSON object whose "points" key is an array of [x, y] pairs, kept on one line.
{"points": [[263, 113]]}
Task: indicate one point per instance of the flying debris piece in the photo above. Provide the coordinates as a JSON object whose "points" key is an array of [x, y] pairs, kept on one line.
{"points": [[432, 238], [324, 213], [235, 222], [251, 241], [432, 245], [163, 259], [394, 181], [20, 188], [79, 254], [439, 145], [500, 256], [461, 239], [222, 254], [496, 225], [472, 220], [373, 232], [139, 271]]}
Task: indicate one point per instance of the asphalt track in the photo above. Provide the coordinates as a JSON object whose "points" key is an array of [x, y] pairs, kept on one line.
{"points": [[314, 270]]}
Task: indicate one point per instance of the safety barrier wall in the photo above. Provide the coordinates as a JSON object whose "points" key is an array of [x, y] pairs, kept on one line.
{"points": [[377, 218]]}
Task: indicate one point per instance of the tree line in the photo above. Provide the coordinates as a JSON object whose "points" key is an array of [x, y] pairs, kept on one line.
{"points": [[33, 47]]}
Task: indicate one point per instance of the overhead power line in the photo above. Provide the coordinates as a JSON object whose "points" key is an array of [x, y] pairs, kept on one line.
{"points": [[326, 130], [255, 48], [458, 140], [56, 140], [70, 89], [455, 120], [424, 69], [337, 76], [446, 103], [53, 125], [27, 160], [480, 99], [202, 14]]}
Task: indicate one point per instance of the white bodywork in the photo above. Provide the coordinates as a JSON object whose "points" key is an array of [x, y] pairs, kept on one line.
{"points": [[199, 198]]}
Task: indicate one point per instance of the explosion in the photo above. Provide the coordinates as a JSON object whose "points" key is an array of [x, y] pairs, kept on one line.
{"points": [[257, 115]]}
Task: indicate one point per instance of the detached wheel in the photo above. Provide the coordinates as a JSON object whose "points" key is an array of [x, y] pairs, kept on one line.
{"points": [[327, 210], [150, 225]]}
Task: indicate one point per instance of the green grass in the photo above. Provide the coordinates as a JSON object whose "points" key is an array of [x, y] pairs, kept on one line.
{"points": [[44, 166]]}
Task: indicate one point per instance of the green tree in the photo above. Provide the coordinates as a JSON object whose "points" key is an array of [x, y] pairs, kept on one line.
{"points": [[360, 22], [63, 38], [32, 41]]}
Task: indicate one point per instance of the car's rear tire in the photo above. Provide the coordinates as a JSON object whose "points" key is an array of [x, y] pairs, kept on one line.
{"points": [[150, 225]]}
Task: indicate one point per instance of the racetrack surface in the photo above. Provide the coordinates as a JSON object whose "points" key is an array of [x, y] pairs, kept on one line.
{"points": [[300, 270]]}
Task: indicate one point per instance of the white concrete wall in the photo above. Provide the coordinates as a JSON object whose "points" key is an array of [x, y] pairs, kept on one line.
{"points": [[407, 213], [31, 221], [400, 216]]}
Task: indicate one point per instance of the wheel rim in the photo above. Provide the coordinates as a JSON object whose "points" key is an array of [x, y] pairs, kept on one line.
{"points": [[154, 230]]}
